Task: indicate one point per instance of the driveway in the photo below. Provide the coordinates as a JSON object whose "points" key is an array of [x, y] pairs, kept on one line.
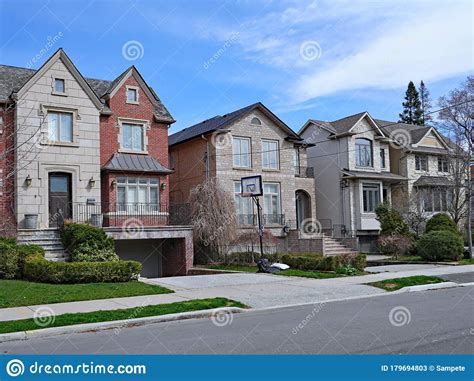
{"points": [[262, 290]]}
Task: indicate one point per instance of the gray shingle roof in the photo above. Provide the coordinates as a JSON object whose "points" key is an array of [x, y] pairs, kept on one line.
{"points": [[13, 78], [345, 124], [220, 122], [434, 181], [135, 163]]}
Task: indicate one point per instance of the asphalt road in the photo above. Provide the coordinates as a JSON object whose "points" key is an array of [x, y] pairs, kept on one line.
{"points": [[430, 322]]}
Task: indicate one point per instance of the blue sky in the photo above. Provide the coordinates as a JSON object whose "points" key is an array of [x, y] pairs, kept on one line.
{"points": [[302, 59]]}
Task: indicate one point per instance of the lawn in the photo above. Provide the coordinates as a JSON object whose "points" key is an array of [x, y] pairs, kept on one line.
{"points": [[129, 313], [398, 283], [14, 293], [289, 272], [467, 261]]}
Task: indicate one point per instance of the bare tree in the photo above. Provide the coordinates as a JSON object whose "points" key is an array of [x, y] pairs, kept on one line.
{"points": [[413, 211], [457, 119], [213, 215]]}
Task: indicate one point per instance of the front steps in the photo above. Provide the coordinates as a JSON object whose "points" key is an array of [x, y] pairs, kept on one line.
{"points": [[48, 239], [332, 246]]}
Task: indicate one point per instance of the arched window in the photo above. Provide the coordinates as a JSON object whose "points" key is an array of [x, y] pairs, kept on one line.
{"points": [[256, 122], [364, 157]]}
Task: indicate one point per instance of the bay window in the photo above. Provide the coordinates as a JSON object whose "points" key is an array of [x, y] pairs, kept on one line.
{"points": [[137, 194], [370, 197]]}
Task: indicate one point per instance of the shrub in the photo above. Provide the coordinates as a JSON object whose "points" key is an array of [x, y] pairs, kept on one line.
{"points": [[440, 245], [8, 240], [322, 263], [25, 251], [441, 221], [8, 261], [37, 269], [394, 244], [346, 270], [391, 221], [87, 243]]}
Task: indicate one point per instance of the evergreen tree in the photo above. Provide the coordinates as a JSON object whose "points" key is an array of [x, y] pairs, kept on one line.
{"points": [[425, 103], [412, 112]]}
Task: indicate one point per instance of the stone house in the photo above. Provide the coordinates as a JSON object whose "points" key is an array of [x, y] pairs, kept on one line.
{"points": [[360, 162], [88, 150]]}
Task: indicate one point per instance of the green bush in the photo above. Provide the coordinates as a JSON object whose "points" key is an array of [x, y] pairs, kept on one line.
{"points": [[8, 240], [37, 269], [391, 222], [322, 263], [8, 261], [346, 270], [440, 245], [248, 258], [87, 243], [25, 251], [441, 221]]}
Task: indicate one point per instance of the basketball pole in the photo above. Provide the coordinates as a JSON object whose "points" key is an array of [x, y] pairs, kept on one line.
{"points": [[260, 227]]}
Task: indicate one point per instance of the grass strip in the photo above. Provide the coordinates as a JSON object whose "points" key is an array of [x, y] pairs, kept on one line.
{"points": [[124, 314], [398, 283]]}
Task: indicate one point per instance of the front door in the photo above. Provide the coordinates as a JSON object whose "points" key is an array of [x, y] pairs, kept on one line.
{"points": [[60, 197]]}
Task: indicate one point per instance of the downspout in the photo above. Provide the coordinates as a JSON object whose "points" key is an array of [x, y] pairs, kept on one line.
{"points": [[206, 156]]}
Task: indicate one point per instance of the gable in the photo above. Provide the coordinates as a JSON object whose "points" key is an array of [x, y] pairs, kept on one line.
{"points": [[431, 140], [366, 125]]}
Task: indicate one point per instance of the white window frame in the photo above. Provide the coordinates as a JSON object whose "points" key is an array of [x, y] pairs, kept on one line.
{"points": [[59, 126], [267, 155], [137, 93], [418, 163], [144, 124], [362, 204], [443, 160], [237, 157], [53, 86], [140, 208], [267, 194], [243, 205], [432, 195]]}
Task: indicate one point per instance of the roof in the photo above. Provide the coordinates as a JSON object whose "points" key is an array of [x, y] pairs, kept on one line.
{"points": [[373, 175], [345, 124], [220, 122], [135, 163], [425, 181], [13, 78]]}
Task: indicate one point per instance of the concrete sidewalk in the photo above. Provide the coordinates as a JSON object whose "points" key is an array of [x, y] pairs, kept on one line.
{"points": [[254, 290]]}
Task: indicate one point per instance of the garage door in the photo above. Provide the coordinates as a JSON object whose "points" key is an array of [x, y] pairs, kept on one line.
{"points": [[145, 251]]}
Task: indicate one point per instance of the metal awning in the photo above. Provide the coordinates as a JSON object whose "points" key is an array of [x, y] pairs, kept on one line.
{"points": [[125, 162]]}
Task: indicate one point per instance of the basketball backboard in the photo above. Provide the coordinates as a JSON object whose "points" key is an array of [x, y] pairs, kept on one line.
{"points": [[251, 186]]}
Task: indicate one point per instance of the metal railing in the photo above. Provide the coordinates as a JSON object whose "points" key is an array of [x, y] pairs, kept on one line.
{"points": [[307, 172], [267, 219]]}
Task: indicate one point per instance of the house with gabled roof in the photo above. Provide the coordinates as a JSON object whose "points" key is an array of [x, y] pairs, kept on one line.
{"points": [[88, 150], [360, 162]]}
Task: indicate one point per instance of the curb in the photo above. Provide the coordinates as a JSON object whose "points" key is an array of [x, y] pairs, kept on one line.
{"points": [[434, 286], [116, 324]]}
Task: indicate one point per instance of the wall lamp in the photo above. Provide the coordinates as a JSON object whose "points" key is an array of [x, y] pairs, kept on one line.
{"points": [[91, 182], [163, 186], [28, 181]]}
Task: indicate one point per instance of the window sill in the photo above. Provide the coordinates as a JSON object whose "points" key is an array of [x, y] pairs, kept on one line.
{"points": [[270, 170], [132, 102], [59, 94], [242, 168], [133, 152], [60, 144], [360, 167]]}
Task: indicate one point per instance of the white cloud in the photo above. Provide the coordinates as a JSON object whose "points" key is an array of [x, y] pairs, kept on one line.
{"points": [[429, 46]]}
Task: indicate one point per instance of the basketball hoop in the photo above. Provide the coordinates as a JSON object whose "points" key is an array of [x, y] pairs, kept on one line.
{"points": [[251, 186]]}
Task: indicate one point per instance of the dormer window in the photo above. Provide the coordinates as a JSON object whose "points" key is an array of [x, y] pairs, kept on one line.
{"points": [[59, 86], [132, 95], [364, 153], [256, 122]]}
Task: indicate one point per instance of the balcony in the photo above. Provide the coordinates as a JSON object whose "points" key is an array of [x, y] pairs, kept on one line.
{"points": [[306, 172], [267, 219]]}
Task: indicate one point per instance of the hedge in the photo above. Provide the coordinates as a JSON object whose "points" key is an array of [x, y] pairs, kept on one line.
{"points": [[440, 245], [12, 257], [38, 269], [321, 263], [439, 222]]}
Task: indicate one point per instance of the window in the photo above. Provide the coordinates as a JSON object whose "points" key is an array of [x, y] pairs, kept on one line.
{"points": [[364, 153], [421, 163], [296, 161], [271, 203], [60, 126], [256, 122], [270, 154], [59, 85], [370, 197], [137, 194], [436, 199], [241, 152], [132, 95], [244, 206], [382, 158], [442, 164], [132, 137]]}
